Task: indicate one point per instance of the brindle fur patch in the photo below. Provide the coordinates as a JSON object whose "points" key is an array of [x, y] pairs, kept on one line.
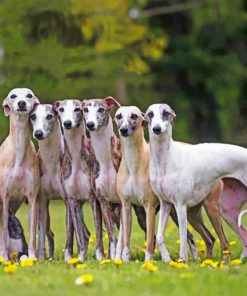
{"points": [[66, 165], [116, 152]]}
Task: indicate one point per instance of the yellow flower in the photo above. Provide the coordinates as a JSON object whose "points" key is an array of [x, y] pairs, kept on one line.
{"points": [[236, 262], [118, 262], [227, 252], [27, 262], [13, 255], [105, 252], [105, 261], [73, 261], [178, 241], [1, 259], [149, 265], [11, 268], [209, 262], [91, 240], [156, 251], [201, 246], [84, 279], [81, 266], [179, 265], [232, 243], [7, 263]]}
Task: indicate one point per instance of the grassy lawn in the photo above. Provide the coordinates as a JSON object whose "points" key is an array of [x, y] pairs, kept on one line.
{"points": [[57, 277]]}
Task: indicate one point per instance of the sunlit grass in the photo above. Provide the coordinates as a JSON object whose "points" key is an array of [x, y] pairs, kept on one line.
{"points": [[58, 277]]}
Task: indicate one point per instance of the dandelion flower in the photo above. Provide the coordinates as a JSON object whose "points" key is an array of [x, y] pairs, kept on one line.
{"points": [[209, 262], [6, 263], [105, 252], [13, 255], [73, 261], [84, 279], [236, 262], [179, 265], [81, 266], [11, 268], [118, 262], [149, 265], [105, 261], [27, 262], [232, 243], [226, 252], [1, 259], [178, 242]]}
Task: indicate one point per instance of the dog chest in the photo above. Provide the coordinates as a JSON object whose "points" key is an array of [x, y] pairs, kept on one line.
{"points": [[134, 190]]}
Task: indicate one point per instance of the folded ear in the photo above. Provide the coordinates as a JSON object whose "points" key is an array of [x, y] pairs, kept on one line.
{"points": [[111, 103], [55, 106], [36, 100], [83, 102], [6, 107], [144, 122]]}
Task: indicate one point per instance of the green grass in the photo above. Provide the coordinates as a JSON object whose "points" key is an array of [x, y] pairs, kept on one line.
{"points": [[57, 277]]}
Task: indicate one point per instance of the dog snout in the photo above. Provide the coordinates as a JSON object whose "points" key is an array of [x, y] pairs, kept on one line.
{"points": [[90, 125], [124, 131], [67, 124], [39, 135], [157, 129], [22, 105]]}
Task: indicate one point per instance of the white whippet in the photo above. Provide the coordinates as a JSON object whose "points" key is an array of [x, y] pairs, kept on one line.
{"points": [[47, 130], [184, 175], [19, 166], [78, 164]]}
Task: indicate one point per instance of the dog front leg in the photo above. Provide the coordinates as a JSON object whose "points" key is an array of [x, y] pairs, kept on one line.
{"points": [[49, 233], [109, 223], [42, 220], [4, 216], [150, 214], [120, 240], [182, 222], [165, 209], [32, 216], [97, 214], [68, 253], [127, 221], [78, 226]]}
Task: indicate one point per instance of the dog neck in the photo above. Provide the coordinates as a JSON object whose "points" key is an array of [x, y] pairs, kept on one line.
{"points": [[52, 147], [160, 146], [133, 150], [102, 139], [20, 133], [73, 143]]}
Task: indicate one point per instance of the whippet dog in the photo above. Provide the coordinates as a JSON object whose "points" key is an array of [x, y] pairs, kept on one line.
{"points": [[99, 123], [19, 166], [48, 133], [133, 184], [184, 175], [78, 167]]}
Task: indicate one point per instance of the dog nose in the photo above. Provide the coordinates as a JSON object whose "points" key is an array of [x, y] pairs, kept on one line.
{"points": [[90, 125], [39, 134], [157, 129], [67, 124], [22, 104], [124, 131]]}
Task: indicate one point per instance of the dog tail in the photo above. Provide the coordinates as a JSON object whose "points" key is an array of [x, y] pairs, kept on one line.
{"points": [[240, 216]]}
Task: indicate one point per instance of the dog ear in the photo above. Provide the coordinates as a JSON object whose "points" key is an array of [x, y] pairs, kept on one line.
{"points": [[55, 106], [111, 103], [173, 115], [6, 107], [144, 120], [83, 102]]}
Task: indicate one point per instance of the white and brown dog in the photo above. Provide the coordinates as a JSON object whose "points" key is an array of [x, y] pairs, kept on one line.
{"points": [[78, 166], [48, 133], [184, 175], [19, 167]]}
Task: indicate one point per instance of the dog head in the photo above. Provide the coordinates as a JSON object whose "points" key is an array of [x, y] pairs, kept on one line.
{"points": [[128, 120], [96, 112], [43, 119], [69, 113], [159, 117], [19, 101]]}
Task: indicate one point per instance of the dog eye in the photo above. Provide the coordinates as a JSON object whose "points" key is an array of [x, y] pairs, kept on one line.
{"points": [[119, 116], [61, 109], [85, 109], [165, 114], [150, 115], [77, 109], [101, 110], [33, 117], [133, 116], [29, 96], [49, 117], [13, 96]]}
